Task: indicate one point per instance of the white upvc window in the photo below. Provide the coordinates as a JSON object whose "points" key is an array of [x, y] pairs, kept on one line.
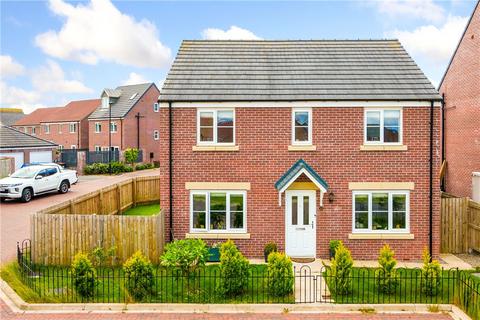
{"points": [[215, 127], [73, 127], [383, 126], [301, 126], [60, 128], [73, 146], [60, 147], [105, 102], [98, 127], [218, 211], [98, 148], [156, 107], [104, 148], [156, 135], [34, 131], [381, 211], [113, 126], [46, 128]]}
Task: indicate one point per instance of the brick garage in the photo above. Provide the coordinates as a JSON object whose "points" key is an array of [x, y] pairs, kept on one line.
{"points": [[461, 87]]}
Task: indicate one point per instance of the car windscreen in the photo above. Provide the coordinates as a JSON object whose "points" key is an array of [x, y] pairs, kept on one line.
{"points": [[25, 173]]}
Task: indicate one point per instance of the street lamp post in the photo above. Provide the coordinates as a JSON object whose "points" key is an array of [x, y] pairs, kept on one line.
{"points": [[109, 138]]}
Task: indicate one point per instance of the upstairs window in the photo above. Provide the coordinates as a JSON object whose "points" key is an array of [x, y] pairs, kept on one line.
{"points": [[46, 129], [98, 127], [302, 126], [105, 102], [34, 131], [216, 127], [383, 126], [113, 126], [73, 127], [156, 135], [156, 107]]}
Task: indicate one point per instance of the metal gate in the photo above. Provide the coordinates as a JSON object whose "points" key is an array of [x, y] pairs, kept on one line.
{"points": [[69, 157], [102, 156]]}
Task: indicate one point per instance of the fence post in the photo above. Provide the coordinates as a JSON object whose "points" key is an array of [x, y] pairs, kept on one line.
{"points": [[72, 207], [119, 199], [100, 202], [134, 191]]}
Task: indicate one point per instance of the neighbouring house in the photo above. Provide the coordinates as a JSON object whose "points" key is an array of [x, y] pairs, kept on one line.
{"points": [[24, 147], [8, 116], [461, 89], [134, 114], [66, 126], [300, 143]]}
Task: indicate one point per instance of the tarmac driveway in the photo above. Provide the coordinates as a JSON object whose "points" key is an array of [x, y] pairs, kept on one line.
{"points": [[14, 215]]}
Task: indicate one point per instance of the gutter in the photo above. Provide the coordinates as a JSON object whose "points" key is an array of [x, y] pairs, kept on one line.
{"points": [[170, 166], [430, 222], [442, 183]]}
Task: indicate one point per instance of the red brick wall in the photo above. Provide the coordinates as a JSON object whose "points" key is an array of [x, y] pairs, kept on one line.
{"points": [[461, 87], [263, 135], [148, 124], [62, 137], [102, 138]]}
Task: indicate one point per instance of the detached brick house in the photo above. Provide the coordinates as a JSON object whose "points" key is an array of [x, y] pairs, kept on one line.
{"points": [[461, 89], [301, 142], [66, 126], [135, 120]]}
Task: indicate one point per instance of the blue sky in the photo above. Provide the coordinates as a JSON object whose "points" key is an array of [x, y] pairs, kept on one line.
{"points": [[53, 52]]}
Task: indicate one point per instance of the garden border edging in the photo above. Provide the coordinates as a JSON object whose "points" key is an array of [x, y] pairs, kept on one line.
{"points": [[16, 303]]}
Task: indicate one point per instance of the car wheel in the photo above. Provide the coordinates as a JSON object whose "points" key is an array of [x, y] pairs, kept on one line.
{"points": [[26, 195], [63, 187], [3, 199]]}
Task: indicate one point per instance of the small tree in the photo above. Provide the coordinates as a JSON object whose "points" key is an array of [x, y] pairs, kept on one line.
{"points": [[341, 270], [233, 270], [280, 274], [186, 255], [431, 274], [84, 275], [386, 275], [100, 255], [139, 273], [131, 156]]}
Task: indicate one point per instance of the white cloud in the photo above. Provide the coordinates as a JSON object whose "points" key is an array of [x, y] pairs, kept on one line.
{"points": [[16, 97], [423, 9], [434, 43], [99, 31], [9, 67], [135, 78], [234, 33], [51, 78]]}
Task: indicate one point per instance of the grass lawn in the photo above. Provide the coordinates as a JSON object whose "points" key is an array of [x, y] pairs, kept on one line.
{"points": [[146, 210], [408, 290], [54, 284]]}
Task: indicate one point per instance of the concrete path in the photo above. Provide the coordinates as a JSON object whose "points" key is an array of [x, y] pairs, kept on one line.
{"points": [[14, 215]]}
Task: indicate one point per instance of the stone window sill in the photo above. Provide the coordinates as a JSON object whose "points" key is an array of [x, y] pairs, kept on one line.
{"points": [[206, 235], [215, 148], [302, 148], [368, 147], [381, 236]]}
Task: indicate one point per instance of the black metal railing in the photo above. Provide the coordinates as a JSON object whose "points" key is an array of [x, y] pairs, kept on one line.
{"points": [[56, 284], [102, 156]]}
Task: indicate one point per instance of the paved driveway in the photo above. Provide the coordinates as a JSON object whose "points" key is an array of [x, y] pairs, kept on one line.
{"points": [[14, 215]]}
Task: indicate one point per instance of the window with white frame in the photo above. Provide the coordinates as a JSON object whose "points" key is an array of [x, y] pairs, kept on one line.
{"points": [[105, 102], [98, 127], [383, 126], [156, 135], [34, 131], [73, 146], [46, 128], [60, 128], [73, 127], [302, 126], [60, 147], [113, 126], [98, 148], [216, 127], [156, 107], [380, 211], [218, 211], [104, 148]]}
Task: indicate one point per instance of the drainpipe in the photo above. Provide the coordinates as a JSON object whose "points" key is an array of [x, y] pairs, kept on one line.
{"points": [[443, 187], [170, 166], [430, 222]]}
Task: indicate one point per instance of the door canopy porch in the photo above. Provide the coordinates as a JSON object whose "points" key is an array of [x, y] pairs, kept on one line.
{"points": [[300, 167]]}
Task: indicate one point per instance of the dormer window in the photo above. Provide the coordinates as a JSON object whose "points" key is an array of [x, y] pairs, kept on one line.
{"points": [[105, 102]]}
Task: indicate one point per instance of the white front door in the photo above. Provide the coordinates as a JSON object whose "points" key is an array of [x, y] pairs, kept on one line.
{"points": [[300, 233]]}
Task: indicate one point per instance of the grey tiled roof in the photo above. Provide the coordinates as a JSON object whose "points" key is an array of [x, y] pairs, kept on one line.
{"points": [[9, 118], [12, 138], [206, 70], [123, 104]]}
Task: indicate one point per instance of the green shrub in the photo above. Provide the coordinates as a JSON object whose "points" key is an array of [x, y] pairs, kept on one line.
{"points": [[333, 245], [280, 274], [131, 155], [341, 271], [139, 273], [386, 276], [233, 270], [84, 275], [186, 255], [269, 248], [144, 166], [120, 167], [100, 256], [431, 275], [104, 168]]}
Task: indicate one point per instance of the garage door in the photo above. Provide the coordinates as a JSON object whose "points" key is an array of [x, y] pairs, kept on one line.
{"points": [[18, 158], [40, 156]]}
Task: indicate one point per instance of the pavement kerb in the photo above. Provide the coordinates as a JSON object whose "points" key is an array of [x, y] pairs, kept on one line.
{"points": [[17, 305]]}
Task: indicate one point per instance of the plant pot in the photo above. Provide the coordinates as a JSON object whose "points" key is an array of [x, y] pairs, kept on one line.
{"points": [[213, 254]]}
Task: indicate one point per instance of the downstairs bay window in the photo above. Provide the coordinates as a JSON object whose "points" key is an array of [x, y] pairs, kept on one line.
{"points": [[218, 211], [380, 211]]}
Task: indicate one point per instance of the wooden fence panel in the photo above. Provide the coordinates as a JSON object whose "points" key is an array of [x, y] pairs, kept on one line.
{"points": [[460, 225], [57, 238]]}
